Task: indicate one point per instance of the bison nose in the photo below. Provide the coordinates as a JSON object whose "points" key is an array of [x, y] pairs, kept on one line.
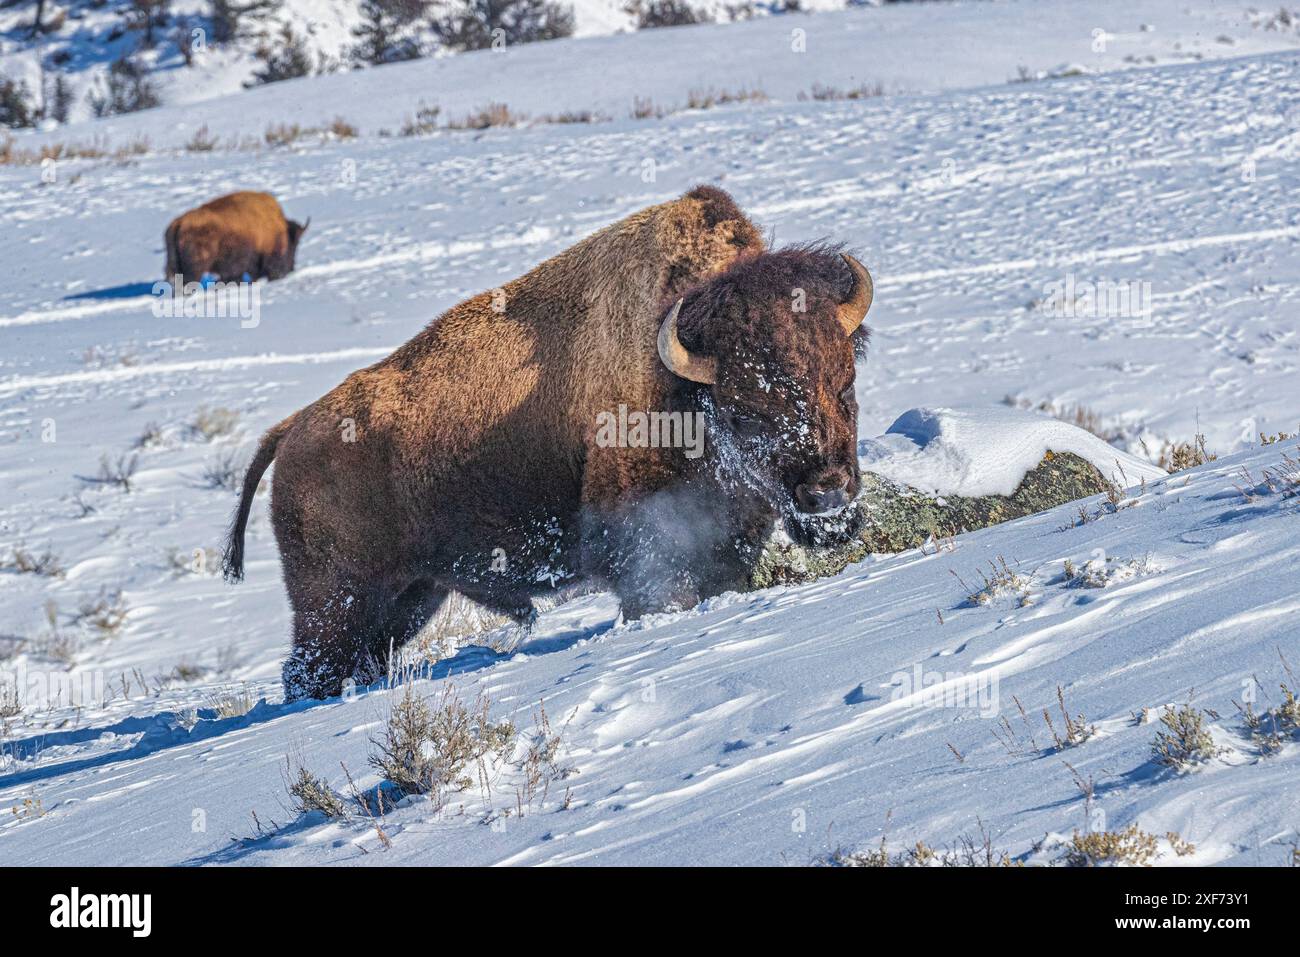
{"points": [[822, 496]]}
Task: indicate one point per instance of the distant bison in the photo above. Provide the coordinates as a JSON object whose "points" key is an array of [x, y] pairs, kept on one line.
{"points": [[480, 455], [241, 236]]}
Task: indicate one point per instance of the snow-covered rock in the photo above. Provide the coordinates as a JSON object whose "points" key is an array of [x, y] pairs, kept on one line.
{"points": [[987, 451]]}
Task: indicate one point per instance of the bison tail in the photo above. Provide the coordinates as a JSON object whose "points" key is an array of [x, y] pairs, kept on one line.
{"points": [[232, 564]]}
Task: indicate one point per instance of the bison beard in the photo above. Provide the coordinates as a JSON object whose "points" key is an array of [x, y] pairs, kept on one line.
{"points": [[475, 466]]}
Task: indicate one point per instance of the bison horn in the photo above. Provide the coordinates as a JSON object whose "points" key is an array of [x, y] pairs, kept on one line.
{"points": [[854, 309], [701, 369]]}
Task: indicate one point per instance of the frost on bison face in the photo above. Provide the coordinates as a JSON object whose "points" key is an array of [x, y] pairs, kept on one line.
{"points": [[764, 354]]}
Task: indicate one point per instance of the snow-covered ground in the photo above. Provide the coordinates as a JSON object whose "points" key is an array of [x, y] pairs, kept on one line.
{"points": [[1126, 242]]}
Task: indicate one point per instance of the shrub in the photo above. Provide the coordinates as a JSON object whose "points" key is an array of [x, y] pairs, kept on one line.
{"points": [[128, 90], [1131, 847], [309, 792], [665, 13], [60, 99], [228, 17], [224, 471], [1269, 729], [146, 15], [119, 473], [480, 24], [16, 108], [1183, 742], [427, 747], [285, 58], [384, 33]]}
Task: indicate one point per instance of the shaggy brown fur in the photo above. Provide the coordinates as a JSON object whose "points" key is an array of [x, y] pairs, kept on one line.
{"points": [[242, 235], [473, 446]]}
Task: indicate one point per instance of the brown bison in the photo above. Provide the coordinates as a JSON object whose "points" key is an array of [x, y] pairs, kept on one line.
{"points": [[477, 458], [237, 238]]}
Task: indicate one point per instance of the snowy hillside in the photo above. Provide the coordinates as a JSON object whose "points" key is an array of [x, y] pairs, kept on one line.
{"points": [[778, 727], [1119, 249], [900, 47]]}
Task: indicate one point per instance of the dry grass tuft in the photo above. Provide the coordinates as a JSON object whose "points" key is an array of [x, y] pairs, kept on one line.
{"points": [[232, 704], [24, 561], [1000, 581], [104, 615], [644, 108], [1077, 728], [540, 764], [341, 129], [1180, 456], [202, 141], [213, 423], [424, 122], [863, 91], [707, 99], [309, 792], [486, 117], [966, 851], [10, 704], [1102, 571]]}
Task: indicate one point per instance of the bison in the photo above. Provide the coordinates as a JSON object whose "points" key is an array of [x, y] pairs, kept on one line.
{"points": [[237, 238], [474, 458]]}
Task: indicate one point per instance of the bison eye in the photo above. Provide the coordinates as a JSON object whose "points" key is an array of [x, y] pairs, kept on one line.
{"points": [[746, 426], [848, 396]]}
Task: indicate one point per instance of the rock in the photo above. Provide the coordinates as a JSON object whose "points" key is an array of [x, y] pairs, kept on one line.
{"points": [[893, 518]]}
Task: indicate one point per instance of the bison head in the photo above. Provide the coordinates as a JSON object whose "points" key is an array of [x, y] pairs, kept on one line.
{"points": [[773, 340]]}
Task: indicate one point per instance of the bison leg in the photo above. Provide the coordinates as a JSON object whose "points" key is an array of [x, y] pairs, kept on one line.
{"points": [[404, 618], [334, 629], [345, 630]]}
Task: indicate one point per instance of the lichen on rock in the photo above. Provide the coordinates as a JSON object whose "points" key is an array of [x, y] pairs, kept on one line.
{"points": [[889, 517]]}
